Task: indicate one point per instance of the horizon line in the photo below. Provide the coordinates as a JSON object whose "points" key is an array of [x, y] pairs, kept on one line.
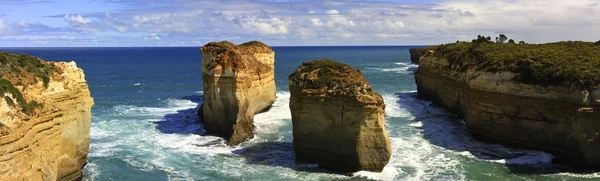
{"points": [[203, 45]]}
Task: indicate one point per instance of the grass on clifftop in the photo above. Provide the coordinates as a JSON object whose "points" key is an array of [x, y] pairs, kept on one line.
{"points": [[330, 74], [569, 63], [24, 70], [416, 53], [232, 56]]}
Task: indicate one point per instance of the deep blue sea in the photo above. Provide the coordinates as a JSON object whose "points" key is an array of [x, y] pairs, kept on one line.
{"points": [[144, 124]]}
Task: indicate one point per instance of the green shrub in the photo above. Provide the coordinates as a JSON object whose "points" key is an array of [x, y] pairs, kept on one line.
{"points": [[330, 73], [16, 63], [20, 66], [572, 63]]}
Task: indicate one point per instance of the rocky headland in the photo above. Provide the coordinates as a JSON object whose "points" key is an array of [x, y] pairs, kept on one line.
{"points": [[238, 83], [338, 119], [536, 96], [45, 117], [417, 53]]}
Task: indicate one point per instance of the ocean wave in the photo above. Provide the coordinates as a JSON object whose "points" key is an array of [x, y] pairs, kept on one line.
{"points": [[403, 68]]}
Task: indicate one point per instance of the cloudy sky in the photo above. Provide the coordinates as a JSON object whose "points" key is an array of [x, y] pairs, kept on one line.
{"points": [[291, 22]]}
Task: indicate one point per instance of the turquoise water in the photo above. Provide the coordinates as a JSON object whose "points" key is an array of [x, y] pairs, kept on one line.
{"points": [[144, 124]]}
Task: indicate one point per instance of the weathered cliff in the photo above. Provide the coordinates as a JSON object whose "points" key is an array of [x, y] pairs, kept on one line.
{"points": [[417, 53], [337, 118], [502, 106], [45, 115], [238, 83]]}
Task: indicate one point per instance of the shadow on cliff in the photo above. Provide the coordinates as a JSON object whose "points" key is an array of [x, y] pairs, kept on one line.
{"points": [[276, 154], [448, 131], [184, 121]]}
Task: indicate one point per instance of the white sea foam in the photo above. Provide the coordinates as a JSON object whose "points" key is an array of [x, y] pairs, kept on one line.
{"points": [[137, 84], [102, 149], [401, 68], [428, 145], [269, 123], [92, 171], [393, 110]]}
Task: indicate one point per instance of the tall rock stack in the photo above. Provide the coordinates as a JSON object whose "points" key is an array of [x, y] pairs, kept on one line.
{"points": [[45, 117], [337, 118], [238, 83]]}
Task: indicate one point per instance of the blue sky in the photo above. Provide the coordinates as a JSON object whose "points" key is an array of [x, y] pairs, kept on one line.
{"points": [[291, 22]]}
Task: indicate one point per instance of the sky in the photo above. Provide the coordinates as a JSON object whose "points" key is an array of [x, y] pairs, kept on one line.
{"points": [[125, 23]]}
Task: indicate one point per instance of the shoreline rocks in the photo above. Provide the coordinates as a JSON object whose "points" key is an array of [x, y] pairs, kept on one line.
{"points": [[338, 119], [238, 83], [45, 116]]}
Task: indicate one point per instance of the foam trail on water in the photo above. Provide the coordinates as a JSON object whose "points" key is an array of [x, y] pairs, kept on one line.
{"points": [[403, 68], [434, 141], [268, 124]]}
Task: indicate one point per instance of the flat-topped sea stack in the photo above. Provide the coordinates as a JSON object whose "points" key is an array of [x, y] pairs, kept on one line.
{"points": [[338, 119], [238, 83], [536, 96], [45, 117]]}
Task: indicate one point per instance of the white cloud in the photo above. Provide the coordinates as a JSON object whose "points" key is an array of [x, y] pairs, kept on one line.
{"points": [[269, 26], [332, 12], [71, 18], [152, 36], [339, 22], [316, 22], [115, 23], [23, 23], [5, 29]]}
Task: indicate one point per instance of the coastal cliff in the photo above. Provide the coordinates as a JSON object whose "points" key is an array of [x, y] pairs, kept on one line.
{"points": [[338, 119], [45, 117], [417, 53], [238, 83], [543, 97]]}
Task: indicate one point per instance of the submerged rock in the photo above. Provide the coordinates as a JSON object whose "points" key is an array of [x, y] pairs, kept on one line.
{"points": [[45, 117], [238, 83], [337, 118]]}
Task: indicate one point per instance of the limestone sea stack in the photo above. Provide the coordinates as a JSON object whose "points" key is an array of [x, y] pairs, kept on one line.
{"points": [[544, 97], [338, 119], [238, 83], [45, 117]]}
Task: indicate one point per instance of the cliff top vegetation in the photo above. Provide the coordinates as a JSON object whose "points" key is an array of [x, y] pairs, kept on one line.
{"points": [[329, 74], [229, 55], [570, 63], [24, 70]]}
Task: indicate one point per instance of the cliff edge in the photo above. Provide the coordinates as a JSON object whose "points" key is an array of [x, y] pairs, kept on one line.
{"points": [[338, 119], [535, 96], [238, 83], [45, 117]]}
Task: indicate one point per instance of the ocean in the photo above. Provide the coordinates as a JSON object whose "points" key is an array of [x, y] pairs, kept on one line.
{"points": [[144, 124]]}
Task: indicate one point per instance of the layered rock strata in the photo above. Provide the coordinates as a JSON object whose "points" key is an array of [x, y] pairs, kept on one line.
{"points": [[45, 116], [338, 119], [238, 83], [558, 119]]}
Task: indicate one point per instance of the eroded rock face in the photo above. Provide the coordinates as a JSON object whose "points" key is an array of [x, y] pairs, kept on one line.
{"points": [[45, 124], [559, 120], [338, 119], [238, 83], [417, 53]]}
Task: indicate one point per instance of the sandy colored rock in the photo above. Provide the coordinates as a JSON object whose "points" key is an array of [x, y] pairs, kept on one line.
{"points": [[555, 119], [49, 142], [338, 119], [238, 83]]}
